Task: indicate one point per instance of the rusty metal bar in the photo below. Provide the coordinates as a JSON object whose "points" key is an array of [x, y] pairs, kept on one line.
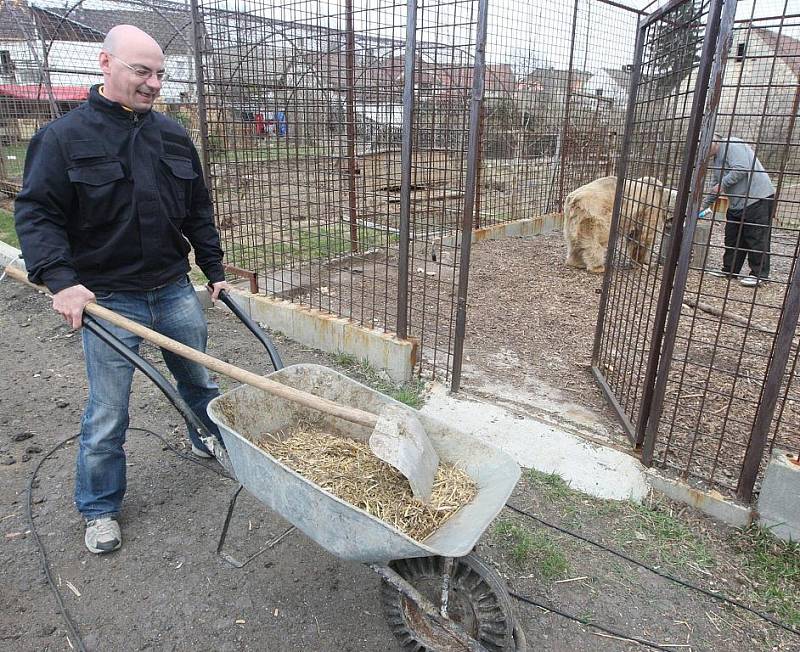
{"points": [[622, 169], [406, 161], [474, 144], [479, 179], [244, 273], [716, 43], [565, 122], [197, 41], [619, 5], [350, 56]]}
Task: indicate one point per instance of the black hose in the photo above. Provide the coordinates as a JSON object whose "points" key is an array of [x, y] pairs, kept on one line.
{"points": [[660, 573]]}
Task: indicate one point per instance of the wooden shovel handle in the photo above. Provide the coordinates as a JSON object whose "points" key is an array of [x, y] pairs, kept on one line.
{"points": [[353, 415]]}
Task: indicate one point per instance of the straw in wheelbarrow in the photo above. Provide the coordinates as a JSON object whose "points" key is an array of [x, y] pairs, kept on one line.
{"points": [[398, 437], [348, 469]]}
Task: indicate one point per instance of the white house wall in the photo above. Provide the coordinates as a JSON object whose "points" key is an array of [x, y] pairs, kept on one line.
{"points": [[75, 64]]}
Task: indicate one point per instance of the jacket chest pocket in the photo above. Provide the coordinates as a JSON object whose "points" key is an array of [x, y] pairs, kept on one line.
{"points": [[177, 177], [97, 186]]}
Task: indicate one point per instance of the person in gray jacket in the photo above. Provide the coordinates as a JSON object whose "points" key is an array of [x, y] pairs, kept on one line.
{"points": [[737, 173]]}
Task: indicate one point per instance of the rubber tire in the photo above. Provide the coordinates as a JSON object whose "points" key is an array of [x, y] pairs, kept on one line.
{"points": [[479, 602]]}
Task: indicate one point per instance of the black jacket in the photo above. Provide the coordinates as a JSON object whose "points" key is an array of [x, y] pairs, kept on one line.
{"points": [[112, 199]]}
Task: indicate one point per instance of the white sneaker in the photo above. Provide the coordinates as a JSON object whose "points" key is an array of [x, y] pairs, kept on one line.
{"points": [[718, 273], [103, 535], [752, 281], [199, 452]]}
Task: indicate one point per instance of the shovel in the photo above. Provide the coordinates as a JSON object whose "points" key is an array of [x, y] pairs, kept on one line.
{"points": [[398, 438]]}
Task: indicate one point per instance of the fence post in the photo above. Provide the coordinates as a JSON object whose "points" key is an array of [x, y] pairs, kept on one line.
{"points": [[476, 106], [713, 58], [199, 76], [406, 154], [351, 126], [567, 101]]}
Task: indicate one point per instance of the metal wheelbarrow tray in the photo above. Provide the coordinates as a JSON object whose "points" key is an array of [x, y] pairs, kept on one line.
{"points": [[437, 595], [245, 414]]}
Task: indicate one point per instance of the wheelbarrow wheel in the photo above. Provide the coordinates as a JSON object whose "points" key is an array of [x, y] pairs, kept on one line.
{"points": [[477, 600]]}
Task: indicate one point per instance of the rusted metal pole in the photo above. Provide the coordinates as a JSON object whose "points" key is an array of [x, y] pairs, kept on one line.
{"points": [[781, 350], [351, 127], [406, 154], [567, 101], [199, 74], [711, 70], [479, 176], [469, 191]]}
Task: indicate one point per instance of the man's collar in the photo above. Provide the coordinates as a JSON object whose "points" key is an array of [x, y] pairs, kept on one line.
{"points": [[99, 101], [102, 90]]}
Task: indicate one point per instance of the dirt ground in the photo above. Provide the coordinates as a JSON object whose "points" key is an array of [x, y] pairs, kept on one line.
{"points": [[167, 590]]}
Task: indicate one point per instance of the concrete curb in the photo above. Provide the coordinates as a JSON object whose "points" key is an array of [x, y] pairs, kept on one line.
{"points": [[779, 497], [332, 334]]}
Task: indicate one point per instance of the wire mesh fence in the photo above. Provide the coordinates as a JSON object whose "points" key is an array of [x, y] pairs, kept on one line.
{"points": [[698, 348], [304, 113], [336, 142]]}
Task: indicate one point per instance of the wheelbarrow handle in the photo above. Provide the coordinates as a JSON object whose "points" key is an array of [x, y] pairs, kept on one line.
{"points": [[353, 415], [253, 327]]}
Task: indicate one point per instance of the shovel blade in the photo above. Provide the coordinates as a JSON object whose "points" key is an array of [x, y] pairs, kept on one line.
{"points": [[400, 440]]}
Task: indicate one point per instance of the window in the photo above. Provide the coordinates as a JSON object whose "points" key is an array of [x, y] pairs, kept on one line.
{"points": [[6, 64], [740, 52]]}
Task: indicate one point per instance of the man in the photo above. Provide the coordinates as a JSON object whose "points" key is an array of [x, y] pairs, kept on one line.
{"points": [[737, 173], [112, 197]]}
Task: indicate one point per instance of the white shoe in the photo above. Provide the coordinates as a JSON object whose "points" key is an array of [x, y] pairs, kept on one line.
{"points": [[199, 452], [752, 281], [719, 273], [103, 535]]}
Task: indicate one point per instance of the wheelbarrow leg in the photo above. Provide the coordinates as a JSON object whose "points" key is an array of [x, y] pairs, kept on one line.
{"points": [[224, 535]]}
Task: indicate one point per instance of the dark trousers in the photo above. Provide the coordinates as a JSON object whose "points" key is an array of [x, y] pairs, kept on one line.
{"points": [[747, 235]]}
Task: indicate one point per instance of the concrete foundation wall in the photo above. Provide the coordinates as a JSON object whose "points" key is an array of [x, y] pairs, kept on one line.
{"points": [[526, 228], [323, 331], [779, 499]]}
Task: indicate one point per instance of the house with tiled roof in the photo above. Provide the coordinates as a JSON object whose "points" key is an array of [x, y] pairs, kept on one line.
{"points": [[41, 45]]}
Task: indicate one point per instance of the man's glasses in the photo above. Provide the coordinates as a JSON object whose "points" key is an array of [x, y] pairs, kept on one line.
{"points": [[142, 72]]}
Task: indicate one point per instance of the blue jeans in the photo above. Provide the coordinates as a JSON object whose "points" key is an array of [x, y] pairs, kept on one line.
{"points": [[172, 310]]}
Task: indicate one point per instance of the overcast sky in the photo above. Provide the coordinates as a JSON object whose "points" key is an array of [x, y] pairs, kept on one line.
{"points": [[521, 32]]}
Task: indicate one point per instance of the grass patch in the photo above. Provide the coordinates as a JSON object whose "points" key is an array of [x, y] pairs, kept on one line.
{"points": [[14, 159], [537, 547], [773, 568], [551, 485], [411, 393], [305, 245], [7, 232], [279, 151], [663, 536]]}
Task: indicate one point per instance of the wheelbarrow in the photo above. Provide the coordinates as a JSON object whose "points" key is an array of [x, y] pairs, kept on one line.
{"points": [[437, 594]]}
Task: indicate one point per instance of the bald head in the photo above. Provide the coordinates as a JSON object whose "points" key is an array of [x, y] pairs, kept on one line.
{"points": [[123, 38], [130, 61]]}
